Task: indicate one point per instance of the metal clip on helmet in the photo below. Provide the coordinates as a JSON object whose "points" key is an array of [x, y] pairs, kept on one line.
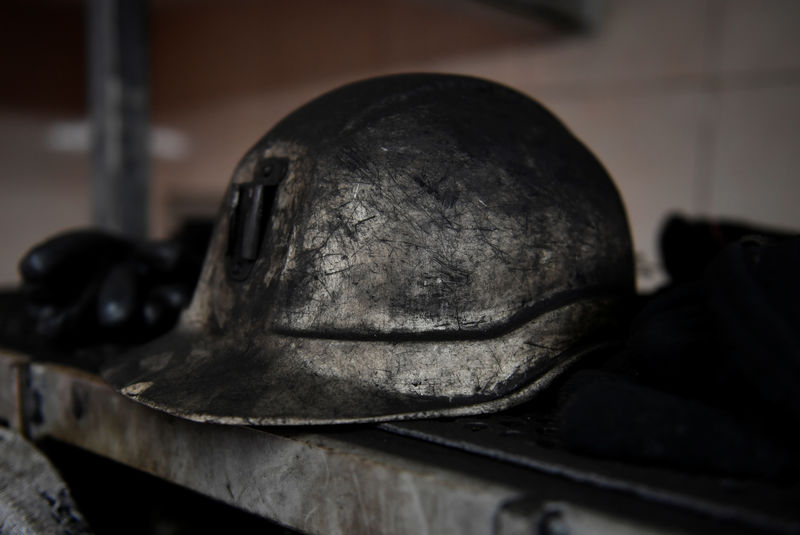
{"points": [[402, 247]]}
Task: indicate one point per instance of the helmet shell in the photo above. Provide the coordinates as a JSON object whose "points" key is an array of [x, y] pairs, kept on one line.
{"points": [[405, 246]]}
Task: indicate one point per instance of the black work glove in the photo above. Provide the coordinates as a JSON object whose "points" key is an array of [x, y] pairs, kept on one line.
{"points": [[86, 288]]}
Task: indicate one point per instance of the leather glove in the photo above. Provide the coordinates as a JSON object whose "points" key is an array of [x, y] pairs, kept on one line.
{"points": [[88, 287]]}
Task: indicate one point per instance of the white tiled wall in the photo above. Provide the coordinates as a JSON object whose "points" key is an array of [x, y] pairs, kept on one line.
{"points": [[692, 105], [755, 168], [40, 192], [759, 36]]}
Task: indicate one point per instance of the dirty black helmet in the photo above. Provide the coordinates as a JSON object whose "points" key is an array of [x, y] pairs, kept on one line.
{"points": [[401, 247]]}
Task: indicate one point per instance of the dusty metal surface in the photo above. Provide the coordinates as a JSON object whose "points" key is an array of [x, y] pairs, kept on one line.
{"points": [[13, 368], [353, 479], [312, 482], [33, 497], [405, 246]]}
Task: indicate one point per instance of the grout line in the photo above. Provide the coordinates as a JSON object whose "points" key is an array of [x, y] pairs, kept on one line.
{"points": [[706, 141], [706, 83], [708, 120]]}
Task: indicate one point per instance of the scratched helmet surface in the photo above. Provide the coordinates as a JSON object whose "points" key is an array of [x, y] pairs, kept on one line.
{"points": [[401, 247]]}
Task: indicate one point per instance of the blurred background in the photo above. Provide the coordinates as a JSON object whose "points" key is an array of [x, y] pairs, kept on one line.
{"points": [[692, 105]]}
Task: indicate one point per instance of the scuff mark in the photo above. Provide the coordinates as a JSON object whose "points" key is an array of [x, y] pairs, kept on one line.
{"points": [[360, 501], [365, 219]]}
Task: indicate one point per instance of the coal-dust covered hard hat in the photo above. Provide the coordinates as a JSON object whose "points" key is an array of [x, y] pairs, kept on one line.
{"points": [[401, 247]]}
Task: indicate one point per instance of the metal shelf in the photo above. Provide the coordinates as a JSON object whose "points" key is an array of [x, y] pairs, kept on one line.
{"points": [[343, 479]]}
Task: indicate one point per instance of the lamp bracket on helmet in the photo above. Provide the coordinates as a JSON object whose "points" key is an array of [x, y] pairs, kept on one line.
{"points": [[249, 207]]}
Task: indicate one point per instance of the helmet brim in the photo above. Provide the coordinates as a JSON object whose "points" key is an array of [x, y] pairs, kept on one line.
{"points": [[284, 379]]}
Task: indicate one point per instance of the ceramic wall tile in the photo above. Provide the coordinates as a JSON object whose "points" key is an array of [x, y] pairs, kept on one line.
{"points": [[759, 36], [756, 156]]}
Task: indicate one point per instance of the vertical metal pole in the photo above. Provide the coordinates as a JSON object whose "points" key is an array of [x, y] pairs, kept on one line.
{"points": [[118, 103]]}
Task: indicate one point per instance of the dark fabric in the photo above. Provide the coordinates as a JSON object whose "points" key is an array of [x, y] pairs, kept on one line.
{"points": [[688, 246], [709, 377], [610, 415]]}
